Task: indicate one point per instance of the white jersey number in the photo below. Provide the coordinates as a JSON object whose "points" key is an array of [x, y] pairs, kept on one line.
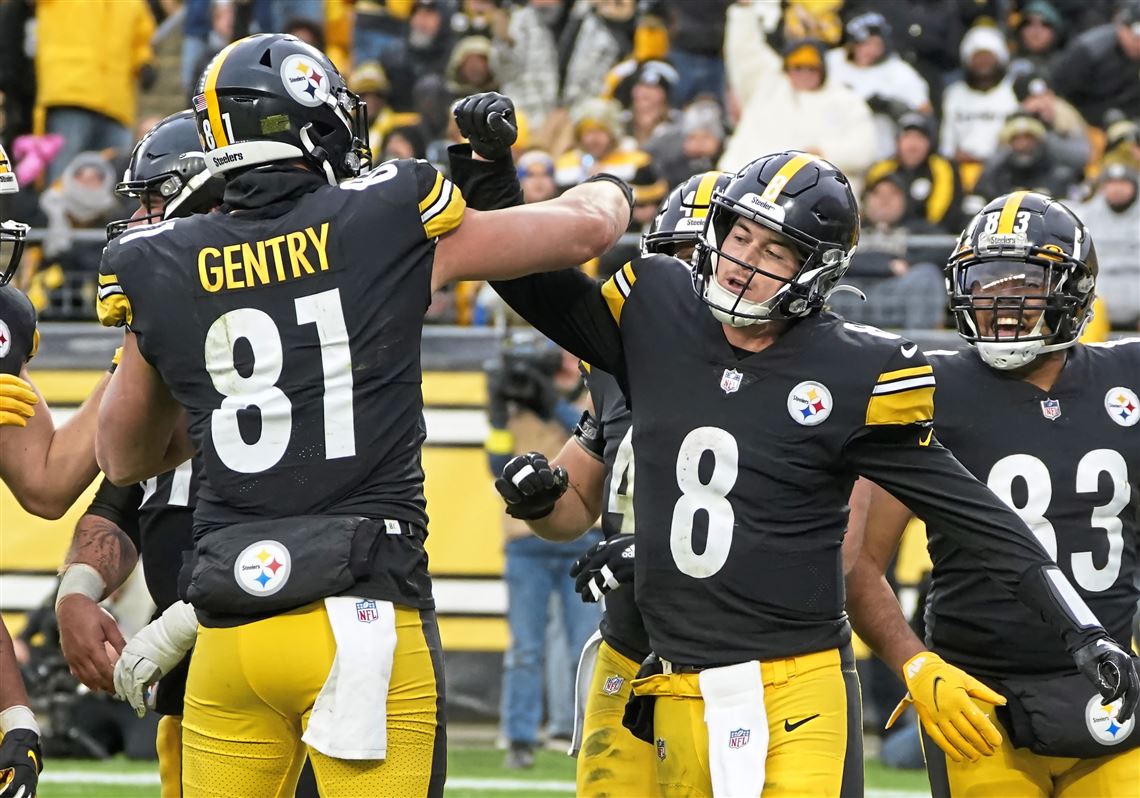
{"points": [[621, 503], [710, 497]]}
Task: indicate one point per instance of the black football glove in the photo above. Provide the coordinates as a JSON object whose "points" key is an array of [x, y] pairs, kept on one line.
{"points": [[605, 567], [1113, 672], [488, 122], [20, 764], [529, 486]]}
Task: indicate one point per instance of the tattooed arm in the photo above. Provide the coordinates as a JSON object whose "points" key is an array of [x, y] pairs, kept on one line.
{"points": [[103, 553]]}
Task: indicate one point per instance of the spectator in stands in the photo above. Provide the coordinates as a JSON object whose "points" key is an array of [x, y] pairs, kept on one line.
{"points": [[308, 30], [903, 281], [1100, 69], [1067, 134], [599, 147], [1024, 162], [696, 40], [536, 176], [403, 142], [974, 108], [469, 68], [788, 103], [700, 146], [1122, 138], [931, 182], [90, 58], [474, 18], [425, 51], [596, 36], [525, 57], [370, 81], [868, 66], [378, 28], [1114, 214], [83, 199], [649, 120], [1039, 35]]}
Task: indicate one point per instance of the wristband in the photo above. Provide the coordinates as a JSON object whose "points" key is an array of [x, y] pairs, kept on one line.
{"points": [[18, 717], [80, 578], [617, 181]]}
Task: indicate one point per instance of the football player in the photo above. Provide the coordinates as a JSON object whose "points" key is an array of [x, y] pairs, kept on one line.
{"points": [[286, 329], [755, 412], [167, 175], [1051, 425]]}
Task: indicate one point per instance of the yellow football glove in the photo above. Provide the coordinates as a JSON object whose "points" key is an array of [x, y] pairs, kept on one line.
{"points": [[17, 400], [942, 695]]}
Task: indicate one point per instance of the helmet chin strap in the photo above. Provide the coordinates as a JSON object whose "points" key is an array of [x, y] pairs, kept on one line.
{"points": [[718, 297], [318, 153]]}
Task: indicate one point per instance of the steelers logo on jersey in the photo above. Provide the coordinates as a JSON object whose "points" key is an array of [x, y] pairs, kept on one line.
{"points": [[5, 339], [1122, 406], [809, 403], [305, 80], [263, 568], [1102, 723]]}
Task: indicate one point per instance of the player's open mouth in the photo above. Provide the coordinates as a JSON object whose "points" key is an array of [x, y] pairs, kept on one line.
{"points": [[736, 285], [1009, 327]]}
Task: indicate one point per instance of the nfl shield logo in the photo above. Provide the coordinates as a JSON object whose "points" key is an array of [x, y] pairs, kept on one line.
{"points": [[739, 738], [612, 685], [366, 611], [730, 381], [660, 749], [1051, 409]]}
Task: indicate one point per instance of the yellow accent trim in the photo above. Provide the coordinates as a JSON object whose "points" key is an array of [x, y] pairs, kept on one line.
{"points": [[926, 441], [35, 343], [906, 407], [585, 365], [108, 279], [612, 294], [703, 196], [941, 189], [114, 311], [1009, 212], [449, 218], [500, 441], [785, 175], [209, 90], [457, 633], [432, 195], [915, 371]]}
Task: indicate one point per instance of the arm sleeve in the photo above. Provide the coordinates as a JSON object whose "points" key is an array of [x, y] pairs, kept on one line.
{"points": [[896, 450], [120, 506], [112, 305]]}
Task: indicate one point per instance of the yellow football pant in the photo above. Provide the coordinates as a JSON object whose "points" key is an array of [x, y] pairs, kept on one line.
{"points": [[169, 745], [821, 754], [1020, 773], [612, 761], [251, 690]]}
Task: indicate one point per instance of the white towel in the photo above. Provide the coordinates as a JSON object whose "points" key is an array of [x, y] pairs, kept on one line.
{"points": [[350, 716], [738, 729], [586, 664]]}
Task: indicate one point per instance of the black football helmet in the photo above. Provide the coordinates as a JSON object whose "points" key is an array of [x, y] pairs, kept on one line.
{"points": [[12, 234], [802, 197], [1023, 254], [681, 218], [272, 97], [167, 174]]}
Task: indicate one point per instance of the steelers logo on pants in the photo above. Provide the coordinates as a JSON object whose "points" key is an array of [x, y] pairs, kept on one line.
{"points": [[262, 568]]}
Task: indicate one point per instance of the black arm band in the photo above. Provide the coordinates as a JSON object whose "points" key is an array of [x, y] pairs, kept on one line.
{"points": [[589, 436]]}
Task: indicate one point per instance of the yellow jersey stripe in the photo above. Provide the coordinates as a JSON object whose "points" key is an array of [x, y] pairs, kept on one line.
{"points": [[616, 289], [906, 407], [108, 279], [785, 175], [900, 373], [1009, 212], [114, 310], [703, 196], [448, 212], [209, 89], [432, 195]]}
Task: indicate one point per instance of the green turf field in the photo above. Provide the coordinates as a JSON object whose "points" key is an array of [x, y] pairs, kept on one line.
{"points": [[472, 773]]}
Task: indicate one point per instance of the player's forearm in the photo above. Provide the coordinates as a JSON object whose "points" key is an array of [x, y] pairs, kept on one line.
{"points": [[877, 617], [12, 691], [99, 543], [569, 519]]}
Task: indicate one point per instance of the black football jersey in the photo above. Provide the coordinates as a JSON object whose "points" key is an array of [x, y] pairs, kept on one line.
{"points": [[745, 461], [288, 325], [1068, 461], [19, 337], [621, 624]]}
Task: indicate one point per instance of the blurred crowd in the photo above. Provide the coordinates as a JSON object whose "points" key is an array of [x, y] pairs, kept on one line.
{"points": [[931, 106]]}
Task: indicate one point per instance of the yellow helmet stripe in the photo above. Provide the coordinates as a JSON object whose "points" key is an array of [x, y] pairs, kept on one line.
{"points": [[703, 196], [785, 175], [1009, 212], [209, 90]]}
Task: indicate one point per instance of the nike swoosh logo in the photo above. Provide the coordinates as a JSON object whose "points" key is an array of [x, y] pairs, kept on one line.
{"points": [[908, 351], [937, 680], [789, 726], [926, 441]]}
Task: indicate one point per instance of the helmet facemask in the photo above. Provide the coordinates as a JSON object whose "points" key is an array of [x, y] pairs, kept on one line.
{"points": [[12, 238]]}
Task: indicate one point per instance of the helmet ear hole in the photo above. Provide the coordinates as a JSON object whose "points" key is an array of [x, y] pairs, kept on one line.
{"points": [[266, 59]]}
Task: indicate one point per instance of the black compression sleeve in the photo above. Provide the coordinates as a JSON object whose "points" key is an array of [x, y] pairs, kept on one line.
{"points": [[120, 506], [939, 490]]}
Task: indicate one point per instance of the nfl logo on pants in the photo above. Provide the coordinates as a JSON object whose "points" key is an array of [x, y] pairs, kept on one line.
{"points": [[366, 611], [739, 738]]}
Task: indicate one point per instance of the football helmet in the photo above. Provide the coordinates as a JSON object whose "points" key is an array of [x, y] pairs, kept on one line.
{"points": [[167, 174], [800, 196], [1021, 279], [12, 234], [681, 218], [272, 97]]}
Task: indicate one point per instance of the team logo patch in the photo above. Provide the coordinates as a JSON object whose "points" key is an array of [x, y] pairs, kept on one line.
{"points": [[613, 685], [1122, 406], [5, 339], [263, 568], [1051, 409], [730, 381], [661, 749], [1102, 724], [738, 738], [809, 403], [306, 82], [366, 611]]}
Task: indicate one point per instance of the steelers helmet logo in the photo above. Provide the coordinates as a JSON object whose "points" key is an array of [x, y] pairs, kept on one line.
{"points": [[809, 403], [1122, 406], [5, 339], [305, 80], [1102, 723], [263, 568]]}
